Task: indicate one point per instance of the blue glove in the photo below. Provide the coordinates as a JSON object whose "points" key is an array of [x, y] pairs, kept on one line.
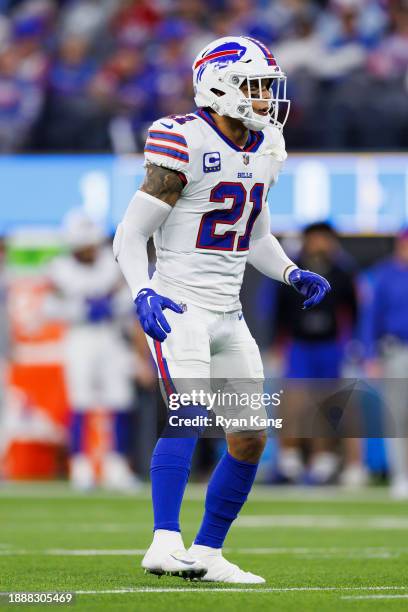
{"points": [[99, 309], [149, 309], [313, 286]]}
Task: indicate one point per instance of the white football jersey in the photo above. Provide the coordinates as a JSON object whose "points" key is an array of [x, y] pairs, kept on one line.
{"points": [[74, 283], [202, 246]]}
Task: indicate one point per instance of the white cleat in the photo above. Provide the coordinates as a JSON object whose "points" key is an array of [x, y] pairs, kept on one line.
{"points": [[82, 475], [117, 475], [167, 555], [176, 563], [354, 476], [399, 489], [221, 570]]}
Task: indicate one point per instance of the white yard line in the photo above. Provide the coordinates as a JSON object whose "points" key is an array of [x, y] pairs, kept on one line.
{"points": [[306, 521], [200, 589], [399, 596], [57, 552], [256, 521], [81, 527], [260, 493], [315, 553], [326, 553], [208, 589]]}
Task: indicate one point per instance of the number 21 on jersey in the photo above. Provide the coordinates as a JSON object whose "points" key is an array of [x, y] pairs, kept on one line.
{"points": [[209, 238]]}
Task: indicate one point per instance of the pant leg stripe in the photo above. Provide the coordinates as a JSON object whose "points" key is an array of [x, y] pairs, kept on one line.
{"points": [[164, 369]]}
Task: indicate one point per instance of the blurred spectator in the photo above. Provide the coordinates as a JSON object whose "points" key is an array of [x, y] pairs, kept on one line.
{"points": [[71, 120], [124, 90], [363, 21], [316, 345], [135, 22], [340, 73], [297, 56], [87, 18], [390, 59], [387, 105], [386, 342], [174, 89], [283, 16], [23, 73]]}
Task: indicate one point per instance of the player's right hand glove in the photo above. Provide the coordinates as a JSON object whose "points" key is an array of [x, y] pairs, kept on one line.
{"points": [[149, 309], [313, 286]]}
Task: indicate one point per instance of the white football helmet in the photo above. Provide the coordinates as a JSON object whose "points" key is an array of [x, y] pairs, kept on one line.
{"points": [[224, 66], [80, 231]]}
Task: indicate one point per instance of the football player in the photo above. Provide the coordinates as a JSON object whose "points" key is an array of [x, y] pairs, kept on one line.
{"points": [[89, 297], [204, 201]]}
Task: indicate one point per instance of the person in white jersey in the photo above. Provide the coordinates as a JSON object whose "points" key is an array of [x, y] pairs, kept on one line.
{"points": [[90, 297], [204, 199]]}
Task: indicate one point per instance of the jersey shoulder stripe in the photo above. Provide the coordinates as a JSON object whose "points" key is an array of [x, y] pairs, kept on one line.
{"points": [[167, 151], [167, 137], [172, 143]]}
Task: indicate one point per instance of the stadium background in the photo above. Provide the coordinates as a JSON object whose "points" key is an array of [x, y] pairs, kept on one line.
{"points": [[80, 82]]}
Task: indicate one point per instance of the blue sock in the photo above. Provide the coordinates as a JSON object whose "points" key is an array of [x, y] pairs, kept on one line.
{"points": [[227, 492], [77, 428], [170, 470], [122, 430]]}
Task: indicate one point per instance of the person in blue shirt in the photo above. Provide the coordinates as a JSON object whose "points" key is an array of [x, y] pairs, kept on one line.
{"points": [[315, 351], [385, 338]]}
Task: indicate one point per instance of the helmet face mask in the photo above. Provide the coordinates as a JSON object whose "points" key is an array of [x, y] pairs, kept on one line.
{"points": [[235, 76], [261, 89]]}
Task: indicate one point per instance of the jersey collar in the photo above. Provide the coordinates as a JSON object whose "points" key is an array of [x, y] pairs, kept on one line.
{"points": [[255, 139]]}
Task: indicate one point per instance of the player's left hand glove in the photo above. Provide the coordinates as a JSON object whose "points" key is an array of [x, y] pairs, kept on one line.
{"points": [[149, 309], [311, 285]]}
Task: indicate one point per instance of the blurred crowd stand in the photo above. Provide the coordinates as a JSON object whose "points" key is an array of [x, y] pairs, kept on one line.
{"points": [[91, 75]]}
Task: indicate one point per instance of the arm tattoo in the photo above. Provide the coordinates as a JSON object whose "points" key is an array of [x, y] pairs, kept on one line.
{"points": [[164, 184]]}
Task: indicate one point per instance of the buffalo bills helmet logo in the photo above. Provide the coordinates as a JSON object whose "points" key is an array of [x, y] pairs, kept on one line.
{"points": [[223, 54]]}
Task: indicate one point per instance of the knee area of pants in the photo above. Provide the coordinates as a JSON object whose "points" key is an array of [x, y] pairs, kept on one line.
{"points": [[247, 448]]}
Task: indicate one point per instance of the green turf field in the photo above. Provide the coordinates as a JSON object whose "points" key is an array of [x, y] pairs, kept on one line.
{"points": [[318, 550]]}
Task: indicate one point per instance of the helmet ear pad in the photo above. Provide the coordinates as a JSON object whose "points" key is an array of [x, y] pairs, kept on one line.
{"points": [[217, 92]]}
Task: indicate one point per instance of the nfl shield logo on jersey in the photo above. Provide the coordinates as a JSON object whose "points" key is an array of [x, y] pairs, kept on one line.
{"points": [[245, 159], [212, 162]]}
